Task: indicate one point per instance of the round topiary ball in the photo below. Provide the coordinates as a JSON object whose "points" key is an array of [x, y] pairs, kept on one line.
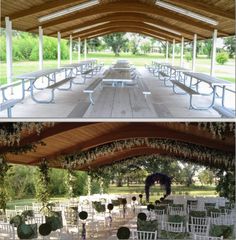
{"points": [[16, 220], [140, 195], [83, 215], [45, 229], [25, 231], [123, 233], [142, 216], [150, 207], [134, 199], [162, 199], [110, 206]]}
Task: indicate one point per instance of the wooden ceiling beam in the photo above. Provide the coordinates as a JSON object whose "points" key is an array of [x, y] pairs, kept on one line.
{"points": [[128, 6], [142, 130], [129, 25], [41, 8], [125, 29], [209, 9], [138, 17]]}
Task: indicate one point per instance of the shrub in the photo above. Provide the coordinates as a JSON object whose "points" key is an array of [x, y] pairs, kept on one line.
{"points": [[222, 58], [188, 56]]}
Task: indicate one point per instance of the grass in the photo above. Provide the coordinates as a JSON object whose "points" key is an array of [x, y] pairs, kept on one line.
{"points": [[202, 64], [156, 193]]}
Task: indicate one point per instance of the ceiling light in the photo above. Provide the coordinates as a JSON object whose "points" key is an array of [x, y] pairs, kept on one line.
{"points": [[68, 10], [163, 28], [186, 12], [88, 27]]}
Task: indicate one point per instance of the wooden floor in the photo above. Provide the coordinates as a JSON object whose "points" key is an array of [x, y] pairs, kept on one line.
{"points": [[112, 103]]}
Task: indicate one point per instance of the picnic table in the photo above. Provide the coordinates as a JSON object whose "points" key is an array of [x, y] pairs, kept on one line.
{"points": [[50, 74], [118, 77], [213, 82]]}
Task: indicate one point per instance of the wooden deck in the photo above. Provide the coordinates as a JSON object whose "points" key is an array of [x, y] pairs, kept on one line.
{"points": [[125, 103]]}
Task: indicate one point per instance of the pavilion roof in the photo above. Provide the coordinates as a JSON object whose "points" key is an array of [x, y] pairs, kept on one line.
{"points": [[127, 140], [122, 16]]}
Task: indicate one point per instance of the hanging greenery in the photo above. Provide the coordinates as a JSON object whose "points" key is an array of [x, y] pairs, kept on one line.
{"points": [[203, 155], [226, 184], [4, 168], [71, 182], [11, 133], [42, 186]]}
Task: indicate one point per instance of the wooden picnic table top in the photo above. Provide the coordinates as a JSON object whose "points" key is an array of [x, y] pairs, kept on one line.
{"points": [[37, 74], [208, 79], [179, 69], [118, 74], [74, 65]]}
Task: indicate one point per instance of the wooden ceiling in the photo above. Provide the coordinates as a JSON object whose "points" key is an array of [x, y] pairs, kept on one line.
{"points": [[122, 16], [68, 138]]}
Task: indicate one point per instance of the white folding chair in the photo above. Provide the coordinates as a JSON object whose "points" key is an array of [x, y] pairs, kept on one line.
{"points": [[199, 226], [144, 235], [200, 237], [7, 230], [172, 228], [176, 211]]}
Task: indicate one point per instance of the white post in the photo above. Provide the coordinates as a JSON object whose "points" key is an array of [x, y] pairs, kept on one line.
{"points": [[9, 50], [79, 49], [58, 49], [194, 52], [85, 48], [173, 53], [89, 185], [182, 53], [40, 48], [213, 54], [71, 52], [167, 51]]}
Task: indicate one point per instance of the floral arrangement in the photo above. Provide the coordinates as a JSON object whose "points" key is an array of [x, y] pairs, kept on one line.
{"points": [[163, 179], [205, 156], [10, 133]]}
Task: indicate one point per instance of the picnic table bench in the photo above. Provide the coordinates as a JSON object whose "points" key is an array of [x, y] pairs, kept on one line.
{"points": [[187, 90], [91, 88], [50, 74], [224, 112], [144, 88]]}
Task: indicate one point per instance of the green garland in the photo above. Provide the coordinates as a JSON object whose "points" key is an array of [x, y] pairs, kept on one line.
{"points": [[4, 168], [42, 186], [205, 156]]}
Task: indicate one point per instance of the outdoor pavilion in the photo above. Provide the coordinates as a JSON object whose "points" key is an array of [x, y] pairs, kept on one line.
{"points": [[170, 21], [181, 21], [92, 146]]}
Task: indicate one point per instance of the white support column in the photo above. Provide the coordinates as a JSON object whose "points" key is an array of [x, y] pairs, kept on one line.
{"points": [[71, 51], [79, 49], [40, 48], [85, 48], [194, 52], [9, 50], [167, 51], [58, 49], [89, 185], [173, 53], [213, 54], [182, 53]]}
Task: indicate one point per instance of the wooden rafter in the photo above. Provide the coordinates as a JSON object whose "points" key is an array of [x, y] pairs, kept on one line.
{"points": [[128, 6], [161, 33], [41, 8], [209, 9], [124, 29], [138, 17]]}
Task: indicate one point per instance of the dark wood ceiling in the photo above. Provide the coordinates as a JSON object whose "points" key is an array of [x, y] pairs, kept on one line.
{"points": [[67, 138], [137, 13]]}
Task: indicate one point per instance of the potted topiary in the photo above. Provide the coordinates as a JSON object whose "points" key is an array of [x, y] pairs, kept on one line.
{"points": [[83, 216], [110, 208], [123, 233], [27, 231]]}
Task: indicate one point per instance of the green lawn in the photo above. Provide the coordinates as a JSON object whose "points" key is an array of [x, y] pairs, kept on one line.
{"points": [[155, 193], [226, 71]]}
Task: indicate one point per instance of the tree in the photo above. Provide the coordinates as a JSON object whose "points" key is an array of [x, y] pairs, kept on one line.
{"points": [[146, 47], [230, 46], [206, 177], [207, 47], [116, 41], [188, 172]]}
